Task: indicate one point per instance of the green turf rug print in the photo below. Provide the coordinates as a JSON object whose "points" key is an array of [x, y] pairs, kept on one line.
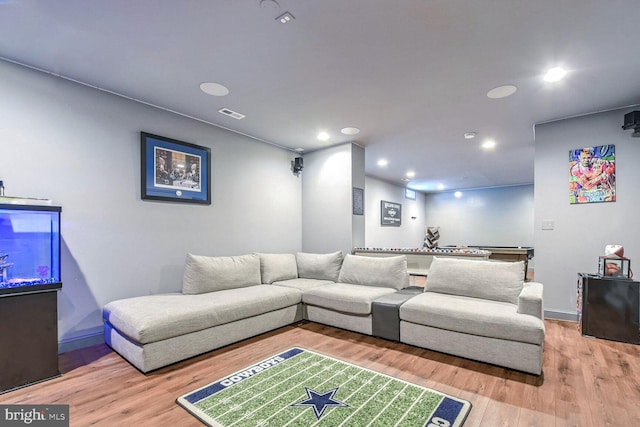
{"points": [[302, 388]]}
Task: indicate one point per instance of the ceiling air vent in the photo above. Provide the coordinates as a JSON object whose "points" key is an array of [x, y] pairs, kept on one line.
{"points": [[231, 113]]}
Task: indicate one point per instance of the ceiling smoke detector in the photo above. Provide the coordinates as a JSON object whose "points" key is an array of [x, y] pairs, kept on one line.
{"points": [[231, 113]]}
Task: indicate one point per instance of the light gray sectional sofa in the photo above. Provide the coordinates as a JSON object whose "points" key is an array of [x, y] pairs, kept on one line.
{"points": [[228, 299]]}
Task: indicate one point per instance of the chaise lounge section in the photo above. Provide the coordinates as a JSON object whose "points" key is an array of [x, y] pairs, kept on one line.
{"points": [[223, 301]]}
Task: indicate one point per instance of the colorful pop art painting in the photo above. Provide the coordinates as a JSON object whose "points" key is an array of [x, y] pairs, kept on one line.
{"points": [[592, 174]]}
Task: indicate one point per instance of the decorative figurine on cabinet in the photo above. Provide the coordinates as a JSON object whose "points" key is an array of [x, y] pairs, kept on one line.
{"points": [[614, 264]]}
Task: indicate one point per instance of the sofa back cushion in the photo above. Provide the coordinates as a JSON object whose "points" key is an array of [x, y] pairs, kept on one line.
{"points": [[208, 274], [385, 272], [275, 267], [319, 266], [492, 280]]}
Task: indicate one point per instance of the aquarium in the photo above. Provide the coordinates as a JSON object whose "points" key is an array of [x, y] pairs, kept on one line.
{"points": [[29, 248]]}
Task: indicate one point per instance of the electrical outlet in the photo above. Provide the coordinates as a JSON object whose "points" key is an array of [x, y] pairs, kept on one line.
{"points": [[548, 225]]}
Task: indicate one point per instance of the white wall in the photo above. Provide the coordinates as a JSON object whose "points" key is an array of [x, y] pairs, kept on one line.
{"points": [[358, 180], [501, 216], [81, 148], [581, 231], [410, 234], [327, 180]]}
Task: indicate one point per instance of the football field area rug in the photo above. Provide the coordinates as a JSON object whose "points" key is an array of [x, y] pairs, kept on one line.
{"points": [[302, 388]]}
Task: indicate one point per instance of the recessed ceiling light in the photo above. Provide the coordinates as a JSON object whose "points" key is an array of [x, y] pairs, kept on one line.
{"points": [[555, 74], [285, 18], [323, 136], [383, 162], [502, 91], [469, 135], [440, 187], [488, 144], [457, 194], [350, 131], [215, 89], [411, 174]]}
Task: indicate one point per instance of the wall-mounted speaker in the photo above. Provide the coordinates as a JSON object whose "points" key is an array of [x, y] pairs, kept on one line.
{"points": [[298, 165], [631, 120]]}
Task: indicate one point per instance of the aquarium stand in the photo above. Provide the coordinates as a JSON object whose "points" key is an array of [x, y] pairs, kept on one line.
{"points": [[29, 337]]}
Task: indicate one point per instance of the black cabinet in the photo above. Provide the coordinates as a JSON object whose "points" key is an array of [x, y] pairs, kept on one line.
{"points": [[29, 331], [609, 308]]}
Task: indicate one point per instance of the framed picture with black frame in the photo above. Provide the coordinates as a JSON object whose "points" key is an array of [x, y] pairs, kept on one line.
{"points": [[390, 214], [174, 171], [358, 201]]}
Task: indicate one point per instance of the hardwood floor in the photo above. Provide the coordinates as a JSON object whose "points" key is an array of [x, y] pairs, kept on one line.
{"points": [[586, 382]]}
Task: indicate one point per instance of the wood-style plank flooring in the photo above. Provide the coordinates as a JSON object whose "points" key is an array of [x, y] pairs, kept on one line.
{"points": [[586, 382]]}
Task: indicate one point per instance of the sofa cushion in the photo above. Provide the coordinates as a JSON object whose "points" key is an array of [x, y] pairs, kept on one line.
{"points": [[275, 267], [385, 272], [302, 283], [154, 318], [207, 274], [494, 280], [319, 266], [482, 317], [347, 298]]}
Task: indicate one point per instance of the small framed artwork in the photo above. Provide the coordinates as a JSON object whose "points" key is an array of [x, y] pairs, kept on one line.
{"points": [[409, 194], [174, 171], [390, 213], [358, 201]]}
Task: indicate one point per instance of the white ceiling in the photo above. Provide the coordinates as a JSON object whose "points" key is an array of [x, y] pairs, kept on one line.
{"points": [[411, 74]]}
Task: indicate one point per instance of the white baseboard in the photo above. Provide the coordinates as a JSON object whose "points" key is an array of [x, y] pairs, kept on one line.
{"points": [[561, 315]]}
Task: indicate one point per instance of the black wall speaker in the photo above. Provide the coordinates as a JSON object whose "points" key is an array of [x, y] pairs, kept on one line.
{"points": [[298, 164], [632, 120]]}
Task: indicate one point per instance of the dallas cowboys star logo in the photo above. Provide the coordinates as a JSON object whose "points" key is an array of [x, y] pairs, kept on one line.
{"points": [[320, 401]]}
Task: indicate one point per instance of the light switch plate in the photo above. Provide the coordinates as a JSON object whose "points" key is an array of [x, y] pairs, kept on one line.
{"points": [[548, 225]]}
